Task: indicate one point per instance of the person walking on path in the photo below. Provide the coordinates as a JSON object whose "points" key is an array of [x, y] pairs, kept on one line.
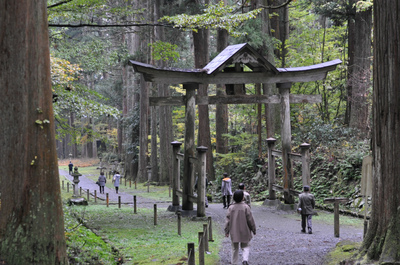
{"points": [[239, 225], [306, 209], [246, 195], [70, 167], [226, 190], [116, 179], [102, 182]]}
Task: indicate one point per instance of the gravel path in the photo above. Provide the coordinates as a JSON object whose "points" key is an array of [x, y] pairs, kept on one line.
{"points": [[278, 240]]}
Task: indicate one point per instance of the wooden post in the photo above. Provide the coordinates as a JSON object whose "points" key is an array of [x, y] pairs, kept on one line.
{"points": [[119, 202], [271, 168], [148, 177], [191, 254], [305, 160], [201, 181], [210, 234], [107, 200], [80, 191], [134, 204], [67, 186], [284, 90], [205, 238], [201, 248], [176, 147], [87, 194], [179, 222], [155, 214], [190, 117], [95, 195], [336, 202], [63, 184]]}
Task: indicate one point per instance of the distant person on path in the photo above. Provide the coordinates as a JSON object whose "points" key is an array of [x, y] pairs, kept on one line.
{"points": [[246, 195], [70, 166], [116, 179], [306, 209], [102, 182], [239, 224], [226, 190]]}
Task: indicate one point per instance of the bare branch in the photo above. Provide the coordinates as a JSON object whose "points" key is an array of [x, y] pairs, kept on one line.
{"points": [[108, 25], [276, 7], [59, 3]]}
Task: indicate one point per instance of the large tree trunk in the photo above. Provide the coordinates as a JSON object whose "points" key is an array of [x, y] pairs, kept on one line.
{"points": [[31, 216], [221, 113], [201, 57], [382, 239], [360, 27], [165, 112]]}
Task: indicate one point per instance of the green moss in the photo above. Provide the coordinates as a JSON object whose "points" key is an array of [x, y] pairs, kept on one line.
{"points": [[344, 250]]}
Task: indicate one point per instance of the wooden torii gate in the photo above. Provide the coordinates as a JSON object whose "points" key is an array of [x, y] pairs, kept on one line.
{"points": [[229, 68]]}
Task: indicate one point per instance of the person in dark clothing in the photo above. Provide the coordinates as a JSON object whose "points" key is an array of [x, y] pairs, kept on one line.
{"points": [[306, 209], [70, 166], [102, 182]]}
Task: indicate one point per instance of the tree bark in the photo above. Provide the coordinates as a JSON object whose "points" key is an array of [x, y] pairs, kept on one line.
{"points": [[221, 113], [31, 216], [381, 241], [360, 27], [201, 58]]}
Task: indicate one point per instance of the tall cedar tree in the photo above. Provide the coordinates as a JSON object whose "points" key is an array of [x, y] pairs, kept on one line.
{"points": [[382, 239], [31, 216]]}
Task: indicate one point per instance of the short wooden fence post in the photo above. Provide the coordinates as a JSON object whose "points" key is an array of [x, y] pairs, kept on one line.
{"points": [[88, 194], [95, 195], [179, 223], [67, 186], [119, 202], [107, 199], [210, 235], [205, 239], [155, 214], [134, 204], [201, 248], [63, 184], [191, 254]]}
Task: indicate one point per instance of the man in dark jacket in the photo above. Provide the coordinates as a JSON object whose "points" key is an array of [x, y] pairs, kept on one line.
{"points": [[306, 208]]}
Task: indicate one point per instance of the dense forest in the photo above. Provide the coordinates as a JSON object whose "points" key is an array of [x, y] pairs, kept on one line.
{"points": [[98, 96], [80, 52]]}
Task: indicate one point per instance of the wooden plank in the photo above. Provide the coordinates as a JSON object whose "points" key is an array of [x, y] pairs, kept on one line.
{"points": [[234, 99], [333, 200]]}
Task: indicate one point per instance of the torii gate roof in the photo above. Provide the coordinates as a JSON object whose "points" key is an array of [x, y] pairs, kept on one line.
{"points": [[215, 72]]}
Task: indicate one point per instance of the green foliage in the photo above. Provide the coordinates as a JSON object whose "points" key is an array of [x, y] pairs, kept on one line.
{"points": [[311, 43], [218, 16], [164, 51], [89, 11]]}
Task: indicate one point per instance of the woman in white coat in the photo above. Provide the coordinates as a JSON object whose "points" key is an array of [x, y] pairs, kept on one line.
{"points": [[116, 179]]}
